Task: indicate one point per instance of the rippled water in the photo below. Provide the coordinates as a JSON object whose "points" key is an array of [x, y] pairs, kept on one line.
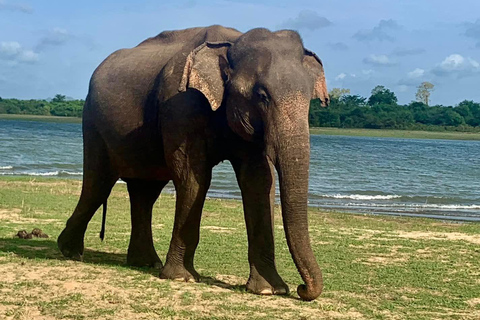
{"points": [[377, 175]]}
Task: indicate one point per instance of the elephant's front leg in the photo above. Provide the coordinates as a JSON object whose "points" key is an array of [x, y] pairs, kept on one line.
{"points": [[256, 179], [191, 187]]}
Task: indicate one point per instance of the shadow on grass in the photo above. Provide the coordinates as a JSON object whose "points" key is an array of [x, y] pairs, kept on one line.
{"points": [[47, 249]]}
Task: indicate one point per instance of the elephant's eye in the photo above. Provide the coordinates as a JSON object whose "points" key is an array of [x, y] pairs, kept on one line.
{"points": [[262, 95]]}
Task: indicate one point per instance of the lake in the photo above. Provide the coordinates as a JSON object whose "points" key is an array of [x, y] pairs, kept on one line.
{"points": [[413, 177]]}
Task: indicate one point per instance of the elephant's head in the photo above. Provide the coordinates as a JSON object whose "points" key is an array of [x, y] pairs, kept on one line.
{"points": [[265, 81]]}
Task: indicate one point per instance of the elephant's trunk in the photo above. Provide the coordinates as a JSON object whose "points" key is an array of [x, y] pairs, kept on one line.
{"points": [[292, 163]]}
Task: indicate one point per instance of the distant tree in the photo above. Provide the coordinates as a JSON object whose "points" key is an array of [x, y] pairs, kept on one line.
{"points": [[337, 93], [470, 111], [353, 100], [59, 98], [424, 91], [382, 95]]}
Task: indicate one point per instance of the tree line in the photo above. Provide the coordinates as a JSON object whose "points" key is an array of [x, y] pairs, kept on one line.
{"points": [[58, 106], [380, 111]]}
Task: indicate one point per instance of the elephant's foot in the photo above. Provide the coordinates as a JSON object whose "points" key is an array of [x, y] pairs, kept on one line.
{"points": [[142, 258], [259, 285], [71, 247], [179, 273]]}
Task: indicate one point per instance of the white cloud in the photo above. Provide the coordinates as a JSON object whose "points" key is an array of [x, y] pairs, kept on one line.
{"points": [[473, 31], [379, 32], [13, 52], [28, 56], [4, 5], [417, 73], [413, 78], [55, 37], [368, 72], [399, 52], [458, 66], [341, 76], [338, 46], [307, 19], [10, 49], [378, 60]]}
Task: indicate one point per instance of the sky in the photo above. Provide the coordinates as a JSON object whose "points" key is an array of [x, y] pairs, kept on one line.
{"points": [[50, 47]]}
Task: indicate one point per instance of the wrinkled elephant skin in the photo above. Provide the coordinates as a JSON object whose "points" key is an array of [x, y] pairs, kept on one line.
{"points": [[176, 105]]}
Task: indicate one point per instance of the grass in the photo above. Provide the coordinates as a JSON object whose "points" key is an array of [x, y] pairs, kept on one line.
{"points": [[30, 117], [374, 267], [405, 134]]}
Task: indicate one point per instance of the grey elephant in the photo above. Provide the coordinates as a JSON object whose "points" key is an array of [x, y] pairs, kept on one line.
{"points": [[176, 105]]}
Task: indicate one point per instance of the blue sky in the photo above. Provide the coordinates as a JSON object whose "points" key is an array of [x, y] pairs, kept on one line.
{"points": [[49, 47]]}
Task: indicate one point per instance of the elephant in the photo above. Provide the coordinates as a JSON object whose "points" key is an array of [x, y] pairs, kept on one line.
{"points": [[179, 103]]}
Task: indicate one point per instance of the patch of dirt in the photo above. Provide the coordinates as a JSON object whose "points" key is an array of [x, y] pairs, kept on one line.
{"points": [[9, 214], [394, 257], [14, 215], [364, 246], [321, 243], [323, 308], [387, 314], [230, 279], [384, 260], [426, 252], [474, 302], [362, 234], [39, 248], [217, 229], [445, 236]]}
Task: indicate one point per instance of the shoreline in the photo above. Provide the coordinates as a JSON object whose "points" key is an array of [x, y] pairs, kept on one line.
{"points": [[31, 117], [432, 215], [374, 133], [401, 134]]}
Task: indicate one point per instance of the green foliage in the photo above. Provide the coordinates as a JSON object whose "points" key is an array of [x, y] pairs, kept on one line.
{"points": [[381, 111], [380, 94], [59, 98], [58, 106]]}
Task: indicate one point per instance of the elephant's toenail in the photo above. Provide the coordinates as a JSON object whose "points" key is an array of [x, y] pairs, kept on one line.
{"points": [[266, 292]]}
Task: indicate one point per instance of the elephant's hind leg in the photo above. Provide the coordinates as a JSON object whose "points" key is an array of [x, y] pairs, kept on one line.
{"points": [[98, 180], [143, 194], [95, 192]]}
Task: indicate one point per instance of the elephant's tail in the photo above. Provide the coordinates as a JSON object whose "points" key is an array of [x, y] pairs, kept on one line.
{"points": [[104, 217]]}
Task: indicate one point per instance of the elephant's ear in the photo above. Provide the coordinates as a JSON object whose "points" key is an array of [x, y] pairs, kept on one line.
{"points": [[314, 66], [206, 71]]}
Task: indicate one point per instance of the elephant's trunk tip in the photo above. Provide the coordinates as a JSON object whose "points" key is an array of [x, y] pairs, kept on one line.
{"points": [[309, 293]]}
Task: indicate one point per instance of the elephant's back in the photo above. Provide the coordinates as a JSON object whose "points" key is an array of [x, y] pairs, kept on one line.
{"points": [[126, 84], [121, 88], [123, 101]]}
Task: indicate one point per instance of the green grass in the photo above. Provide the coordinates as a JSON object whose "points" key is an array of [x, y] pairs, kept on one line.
{"points": [[405, 134], [30, 117], [374, 267]]}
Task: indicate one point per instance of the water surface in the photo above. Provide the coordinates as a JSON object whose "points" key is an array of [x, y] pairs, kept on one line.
{"points": [[438, 178]]}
